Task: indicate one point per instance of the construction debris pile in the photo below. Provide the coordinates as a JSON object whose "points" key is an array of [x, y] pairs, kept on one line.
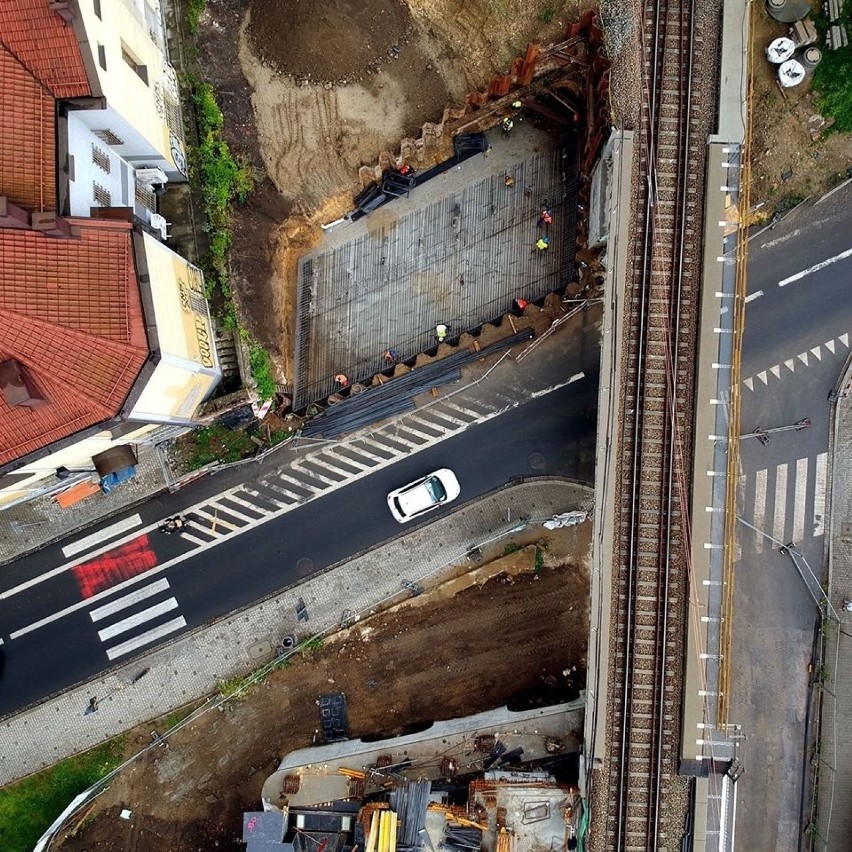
{"points": [[462, 786]]}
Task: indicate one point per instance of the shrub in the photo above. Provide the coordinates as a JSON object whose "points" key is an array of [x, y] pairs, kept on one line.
{"points": [[833, 86], [194, 8], [261, 368]]}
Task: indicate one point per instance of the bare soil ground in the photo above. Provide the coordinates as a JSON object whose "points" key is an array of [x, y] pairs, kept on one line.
{"points": [[781, 142], [471, 644], [313, 90]]}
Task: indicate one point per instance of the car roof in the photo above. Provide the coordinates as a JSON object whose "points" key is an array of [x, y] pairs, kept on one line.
{"points": [[415, 499]]}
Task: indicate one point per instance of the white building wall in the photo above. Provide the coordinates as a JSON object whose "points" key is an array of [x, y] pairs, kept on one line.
{"points": [[140, 86]]}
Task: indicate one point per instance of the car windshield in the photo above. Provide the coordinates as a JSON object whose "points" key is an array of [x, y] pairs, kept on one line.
{"points": [[436, 489]]}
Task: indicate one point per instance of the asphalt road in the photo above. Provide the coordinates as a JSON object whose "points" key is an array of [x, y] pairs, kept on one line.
{"points": [[553, 434], [798, 330]]}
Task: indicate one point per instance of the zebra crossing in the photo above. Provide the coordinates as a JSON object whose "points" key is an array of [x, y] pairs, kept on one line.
{"points": [[834, 346], [786, 502], [137, 619], [334, 465]]}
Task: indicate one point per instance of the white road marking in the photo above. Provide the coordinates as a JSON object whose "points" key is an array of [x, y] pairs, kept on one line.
{"points": [[753, 296], [228, 509], [776, 371], [844, 339], [780, 502], [832, 191], [819, 495], [102, 535], [216, 521], [763, 377], [815, 268], [749, 383], [146, 638], [790, 364], [800, 500], [803, 357], [129, 600], [576, 377], [190, 538], [829, 344], [136, 619], [778, 240], [817, 352], [760, 500]]}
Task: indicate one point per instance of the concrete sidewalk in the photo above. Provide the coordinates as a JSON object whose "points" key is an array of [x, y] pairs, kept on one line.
{"points": [[833, 771], [190, 667]]}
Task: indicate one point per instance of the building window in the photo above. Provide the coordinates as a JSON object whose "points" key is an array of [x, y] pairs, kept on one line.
{"points": [[102, 56], [146, 197], [102, 196], [100, 158], [97, 5], [108, 136], [173, 115], [140, 70]]}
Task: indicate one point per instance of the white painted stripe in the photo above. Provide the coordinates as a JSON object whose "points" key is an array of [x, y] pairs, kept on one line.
{"points": [[759, 513], [819, 495], [105, 534], [215, 519], [312, 473], [298, 483], [800, 500], [253, 507], [146, 638], [576, 378], [191, 538], [780, 502], [224, 507], [418, 423], [753, 296], [129, 600], [815, 268], [253, 492], [338, 460], [136, 619]]}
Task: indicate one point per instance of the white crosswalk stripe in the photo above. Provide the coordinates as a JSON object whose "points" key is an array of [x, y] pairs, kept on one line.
{"points": [[778, 501], [131, 621], [833, 347]]}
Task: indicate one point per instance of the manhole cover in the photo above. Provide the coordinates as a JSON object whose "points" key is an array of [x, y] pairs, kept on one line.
{"points": [[536, 461], [304, 565]]}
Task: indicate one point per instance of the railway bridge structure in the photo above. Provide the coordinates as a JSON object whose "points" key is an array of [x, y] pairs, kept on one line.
{"points": [[661, 762]]}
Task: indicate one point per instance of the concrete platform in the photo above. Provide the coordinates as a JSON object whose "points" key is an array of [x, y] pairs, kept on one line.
{"points": [[456, 252]]}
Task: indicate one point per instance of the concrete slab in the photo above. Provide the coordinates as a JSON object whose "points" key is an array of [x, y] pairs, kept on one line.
{"points": [[456, 252]]}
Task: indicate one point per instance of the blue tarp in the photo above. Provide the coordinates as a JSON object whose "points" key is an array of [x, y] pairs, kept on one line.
{"points": [[109, 481]]}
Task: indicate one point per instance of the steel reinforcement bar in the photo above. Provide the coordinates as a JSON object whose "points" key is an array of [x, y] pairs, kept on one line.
{"points": [[650, 577]]}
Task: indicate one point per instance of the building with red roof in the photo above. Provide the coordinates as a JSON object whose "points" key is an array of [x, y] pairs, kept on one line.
{"points": [[105, 335]]}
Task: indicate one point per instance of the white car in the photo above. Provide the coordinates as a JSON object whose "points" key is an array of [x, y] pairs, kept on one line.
{"points": [[423, 495]]}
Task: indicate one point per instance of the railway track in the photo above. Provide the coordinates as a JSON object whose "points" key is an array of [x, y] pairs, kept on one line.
{"points": [[650, 577]]}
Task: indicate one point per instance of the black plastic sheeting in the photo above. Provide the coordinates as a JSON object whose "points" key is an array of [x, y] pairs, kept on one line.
{"points": [[394, 184], [397, 395]]}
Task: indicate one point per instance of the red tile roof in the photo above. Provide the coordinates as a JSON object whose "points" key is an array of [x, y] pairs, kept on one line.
{"points": [[27, 137], [45, 44], [71, 313]]}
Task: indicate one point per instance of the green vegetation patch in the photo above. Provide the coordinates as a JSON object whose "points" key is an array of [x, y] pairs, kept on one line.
{"points": [[215, 444], [29, 807], [194, 8], [833, 86], [262, 371]]}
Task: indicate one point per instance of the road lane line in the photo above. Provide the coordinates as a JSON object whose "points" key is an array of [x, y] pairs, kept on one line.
{"points": [[136, 619], [753, 296], [146, 638], [128, 600], [124, 525], [759, 513], [800, 500], [780, 502], [819, 495], [815, 268]]}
